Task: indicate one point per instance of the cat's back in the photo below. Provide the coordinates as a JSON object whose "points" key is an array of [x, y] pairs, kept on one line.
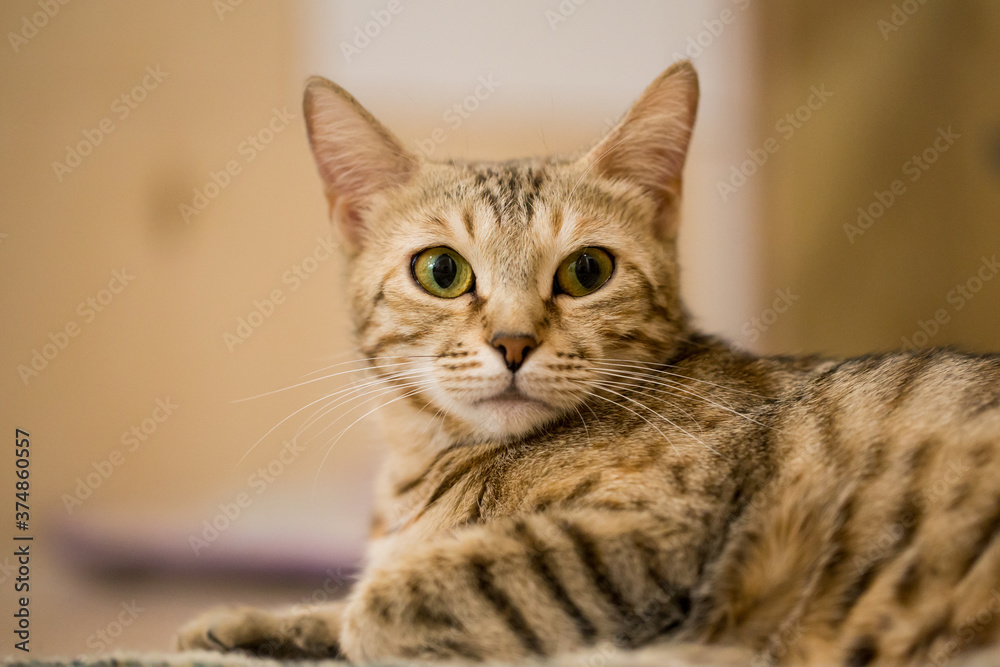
{"points": [[876, 539]]}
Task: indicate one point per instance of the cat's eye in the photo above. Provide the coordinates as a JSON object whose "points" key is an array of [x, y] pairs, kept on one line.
{"points": [[584, 271], [442, 272]]}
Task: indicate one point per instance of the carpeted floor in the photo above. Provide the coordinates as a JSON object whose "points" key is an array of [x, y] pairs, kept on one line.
{"points": [[654, 656], [674, 656]]}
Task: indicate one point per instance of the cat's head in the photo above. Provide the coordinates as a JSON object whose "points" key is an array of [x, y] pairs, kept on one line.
{"points": [[500, 294]]}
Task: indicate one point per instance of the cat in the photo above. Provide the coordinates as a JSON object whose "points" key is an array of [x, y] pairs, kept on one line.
{"points": [[573, 465]]}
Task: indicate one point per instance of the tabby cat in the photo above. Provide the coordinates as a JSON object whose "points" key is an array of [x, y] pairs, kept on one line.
{"points": [[573, 465]]}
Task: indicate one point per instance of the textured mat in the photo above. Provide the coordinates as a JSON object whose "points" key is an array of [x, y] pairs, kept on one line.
{"points": [[653, 656], [663, 656]]}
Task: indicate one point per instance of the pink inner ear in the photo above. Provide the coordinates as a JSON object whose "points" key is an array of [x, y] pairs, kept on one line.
{"points": [[650, 145], [354, 159], [356, 156], [348, 220]]}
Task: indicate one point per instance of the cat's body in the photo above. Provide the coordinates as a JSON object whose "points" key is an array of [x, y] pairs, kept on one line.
{"points": [[572, 464]]}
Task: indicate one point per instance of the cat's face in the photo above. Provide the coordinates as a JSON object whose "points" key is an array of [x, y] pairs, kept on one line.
{"points": [[499, 294]]}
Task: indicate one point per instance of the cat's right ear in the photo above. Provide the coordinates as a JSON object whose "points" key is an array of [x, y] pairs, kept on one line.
{"points": [[649, 145], [357, 157]]}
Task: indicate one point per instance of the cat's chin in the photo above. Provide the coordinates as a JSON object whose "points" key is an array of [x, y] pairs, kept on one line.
{"points": [[507, 415]]}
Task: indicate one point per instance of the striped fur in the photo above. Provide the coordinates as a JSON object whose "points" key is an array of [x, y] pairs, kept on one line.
{"points": [[646, 482]]}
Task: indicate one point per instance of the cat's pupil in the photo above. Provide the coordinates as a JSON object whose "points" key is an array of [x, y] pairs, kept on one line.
{"points": [[445, 270], [587, 270]]}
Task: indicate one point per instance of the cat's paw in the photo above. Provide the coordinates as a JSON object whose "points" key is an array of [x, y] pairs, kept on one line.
{"points": [[391, 615], [227, 629], [370, 634], [263, 634]]}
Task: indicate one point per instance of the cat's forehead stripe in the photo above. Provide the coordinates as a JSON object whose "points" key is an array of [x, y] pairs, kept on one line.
{"points": [[557, 220], [510, 189], [469, 223]]}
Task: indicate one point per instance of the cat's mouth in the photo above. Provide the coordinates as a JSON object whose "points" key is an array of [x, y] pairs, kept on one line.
{"points": [[510, 395], [510, 413]]}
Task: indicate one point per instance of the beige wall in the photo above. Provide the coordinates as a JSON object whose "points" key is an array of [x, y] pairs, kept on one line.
{"points": [[162, 335], [896, 80]]}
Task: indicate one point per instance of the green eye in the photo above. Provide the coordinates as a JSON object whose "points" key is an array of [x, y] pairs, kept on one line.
{"points": [[442, 272], [584, 271]]}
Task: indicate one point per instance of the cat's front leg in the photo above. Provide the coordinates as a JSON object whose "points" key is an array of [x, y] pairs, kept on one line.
{"points": [[311, 632], [528, 586]]}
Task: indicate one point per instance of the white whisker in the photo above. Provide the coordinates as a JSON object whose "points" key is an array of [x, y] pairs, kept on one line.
{"points": [[644, 365], [437, 413], [585, 429], [636, 376], [319, 469], [417, 416], [658, 376], [625, 407], [368, 359], [350, 355], [325, 377], [379, 392], [388, 380], [669, 421], [304, 407], [636, 386]]}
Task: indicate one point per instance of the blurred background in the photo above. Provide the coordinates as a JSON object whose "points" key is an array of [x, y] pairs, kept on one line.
{"points": [[164, 248]]}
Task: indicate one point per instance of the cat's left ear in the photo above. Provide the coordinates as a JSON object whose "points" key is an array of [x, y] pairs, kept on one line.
{"points": [[649, 145], [357, 157]]}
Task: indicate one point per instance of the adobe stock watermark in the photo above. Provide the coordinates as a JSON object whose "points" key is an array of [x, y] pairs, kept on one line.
{"points": [[257, 483], [778, 645], [87, 311], [562, 12], [888, 539], [956, 299], [786, 127], [132, 440], [223, 7], [756, 326], [7, 570], [901, 13], [121, 108], [966, 631], [103, 639], [294, 277], [637, 626], [33, 23], [458, 113], [248, 149], [696, 44], [364, 34], [332, 588], [913, 169]]}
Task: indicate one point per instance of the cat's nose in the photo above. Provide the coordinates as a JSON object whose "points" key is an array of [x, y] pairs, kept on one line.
{"points": [[514, 348]]}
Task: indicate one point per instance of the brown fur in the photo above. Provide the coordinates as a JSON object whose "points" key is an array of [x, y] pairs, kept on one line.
{"points": [[646, 482]]}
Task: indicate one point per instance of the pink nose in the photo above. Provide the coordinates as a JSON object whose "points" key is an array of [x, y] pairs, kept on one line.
{"points": [[514, 348]]}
